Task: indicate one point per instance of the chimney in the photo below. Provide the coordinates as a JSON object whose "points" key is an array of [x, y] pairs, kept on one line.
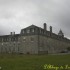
{"points": [[10, 33], [13, 33], [45, 26], [50, 29]]}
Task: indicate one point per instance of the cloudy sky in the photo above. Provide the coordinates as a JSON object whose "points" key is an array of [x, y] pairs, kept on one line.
{"points": [[18, 14]]}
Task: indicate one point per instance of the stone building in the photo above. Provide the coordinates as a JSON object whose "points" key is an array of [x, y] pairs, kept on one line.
{"points": [[34, 40]]}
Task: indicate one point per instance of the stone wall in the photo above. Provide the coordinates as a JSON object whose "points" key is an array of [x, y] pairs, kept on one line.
{"points": [[29, 44], [34, 44], [51, 45]]}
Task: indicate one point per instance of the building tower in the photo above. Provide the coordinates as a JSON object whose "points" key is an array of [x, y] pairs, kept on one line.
{"points": [[45, 26], [61, 33]]}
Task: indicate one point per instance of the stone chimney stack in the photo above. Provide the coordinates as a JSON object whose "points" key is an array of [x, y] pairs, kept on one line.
{"points": [[50, 29], [12, 33], [45, 26]]}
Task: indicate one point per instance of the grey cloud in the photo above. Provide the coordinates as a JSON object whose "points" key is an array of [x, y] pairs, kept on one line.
{"points": [[6, 14], [26, 12]]}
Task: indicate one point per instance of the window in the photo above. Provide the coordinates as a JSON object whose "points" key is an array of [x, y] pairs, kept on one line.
{"points": [[18, 43], [14, 44], [23, 31], [40, 30], [2, 43], [1, 39], [28, 31], [12, 39], [24, 39], [32, 30], [7, 39], [32, 39], [44, 32], [16, 38]]}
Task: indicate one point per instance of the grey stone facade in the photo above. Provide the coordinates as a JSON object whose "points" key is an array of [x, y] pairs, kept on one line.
{"points": [[34, 40]]}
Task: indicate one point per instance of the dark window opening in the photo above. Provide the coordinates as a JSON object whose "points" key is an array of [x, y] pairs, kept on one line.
{"points": [[32, 39], [28, 53], [32, 30]]}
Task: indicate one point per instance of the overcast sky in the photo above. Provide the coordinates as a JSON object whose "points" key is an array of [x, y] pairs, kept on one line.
{"points": [[18, 14]]}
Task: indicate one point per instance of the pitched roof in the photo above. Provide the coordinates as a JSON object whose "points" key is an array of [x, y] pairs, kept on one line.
{"points": [[32, 26]]}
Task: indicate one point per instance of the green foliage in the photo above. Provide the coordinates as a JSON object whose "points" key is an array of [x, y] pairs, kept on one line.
{"points": [[31, 62]]}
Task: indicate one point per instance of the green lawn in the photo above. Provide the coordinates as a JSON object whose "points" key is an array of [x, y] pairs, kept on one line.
{"points": [[32, 62]]}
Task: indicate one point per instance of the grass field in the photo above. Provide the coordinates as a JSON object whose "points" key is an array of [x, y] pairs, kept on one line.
{"points": [[32, 62]]}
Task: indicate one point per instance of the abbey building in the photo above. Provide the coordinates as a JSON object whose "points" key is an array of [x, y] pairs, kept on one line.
{"points": [[34, 40]]}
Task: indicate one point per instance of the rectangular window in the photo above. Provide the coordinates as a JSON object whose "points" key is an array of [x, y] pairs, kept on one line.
{"points": [[2, 43], [32, 30], [32, 39], [23, 31], [16, 38], [2, 39], [40, 30], [28, 31], [24, 39]]}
